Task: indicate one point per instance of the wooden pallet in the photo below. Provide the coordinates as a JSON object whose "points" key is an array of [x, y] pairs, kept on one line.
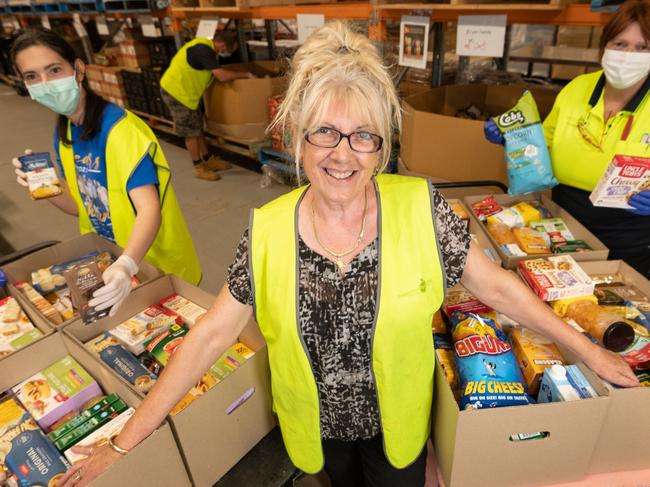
{"points": [[156, 123], [245, 147]]}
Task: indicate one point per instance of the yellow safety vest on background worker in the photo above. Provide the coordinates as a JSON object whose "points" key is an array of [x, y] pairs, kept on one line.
{"points": [[411, 289], [581, 143], [128, 141], [182, 81]]}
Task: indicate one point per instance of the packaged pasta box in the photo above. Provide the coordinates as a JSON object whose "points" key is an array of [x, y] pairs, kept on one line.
{"points": [[625, 176], [146, 325], [42, 179]]}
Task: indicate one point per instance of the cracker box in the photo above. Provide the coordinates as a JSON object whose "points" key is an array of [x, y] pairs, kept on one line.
{"points": [[101, 436], [16, 331], [557, 277], [625, 176], [186, 309], [61, 388], [25, 450], [41, 304], [534, 353], [144, 326], [42, 180]]}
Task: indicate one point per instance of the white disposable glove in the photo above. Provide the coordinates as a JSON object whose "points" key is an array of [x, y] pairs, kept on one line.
{"points": [[21, 177], [117, 280]]}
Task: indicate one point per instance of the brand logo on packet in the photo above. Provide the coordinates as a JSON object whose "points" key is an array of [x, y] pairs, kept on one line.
{"points": [[511, 118], [474, 344], [633, 171]]}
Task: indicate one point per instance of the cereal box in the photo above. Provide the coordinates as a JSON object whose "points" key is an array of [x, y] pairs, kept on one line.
{"points": [[144, 326], [186, 309], [534, 353], [557, 277], [625, 176], [101, 436], [42, 180], [61, 388]]}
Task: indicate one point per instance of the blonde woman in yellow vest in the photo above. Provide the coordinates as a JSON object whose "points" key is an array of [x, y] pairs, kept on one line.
{"points": [[344, 276], [117, 180], [190, 73]]}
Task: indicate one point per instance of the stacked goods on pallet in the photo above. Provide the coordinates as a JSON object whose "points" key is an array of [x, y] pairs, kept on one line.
{"points": [[151, 78], [113, 86], [134, 53], [161, 52], [136, 94], [95, 77]]}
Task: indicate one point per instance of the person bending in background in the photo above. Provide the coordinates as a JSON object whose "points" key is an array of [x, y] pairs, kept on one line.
{"points": [[182, 86], [117, 180], [597, 116]]}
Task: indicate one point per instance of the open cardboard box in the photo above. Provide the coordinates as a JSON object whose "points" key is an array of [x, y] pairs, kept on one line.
{"points": [[478, 230], [598, 252], [37, 319], [155, 461], [437, 143], [219, 428], [474, 449], [21, 270], [623, 441], [239, 108]]}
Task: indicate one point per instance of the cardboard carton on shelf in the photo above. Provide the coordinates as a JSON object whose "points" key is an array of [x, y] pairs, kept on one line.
{"points": [[74, 248], [622, 444], [155, 461], [239, 108], [474, 447], [598, 250], [436, 143], [216, 430]]}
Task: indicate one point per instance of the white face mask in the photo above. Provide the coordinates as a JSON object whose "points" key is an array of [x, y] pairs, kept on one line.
{"points": [[623, 69]]}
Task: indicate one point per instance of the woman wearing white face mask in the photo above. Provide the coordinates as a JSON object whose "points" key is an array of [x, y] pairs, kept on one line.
{"points": [[117, 180], [597, 116]]}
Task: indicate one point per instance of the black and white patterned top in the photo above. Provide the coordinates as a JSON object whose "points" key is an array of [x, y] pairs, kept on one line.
{"points": [[336, 316]]}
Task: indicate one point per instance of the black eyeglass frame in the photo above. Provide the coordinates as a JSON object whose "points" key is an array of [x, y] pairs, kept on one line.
{"points": [[346, 136]]}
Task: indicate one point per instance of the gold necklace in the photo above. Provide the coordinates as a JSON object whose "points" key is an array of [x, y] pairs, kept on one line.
{"points": [[340, 263]]}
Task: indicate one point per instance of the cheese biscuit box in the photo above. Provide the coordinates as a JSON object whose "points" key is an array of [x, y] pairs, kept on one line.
{"points": [[535, 353], [26, 451], [61, 388]]}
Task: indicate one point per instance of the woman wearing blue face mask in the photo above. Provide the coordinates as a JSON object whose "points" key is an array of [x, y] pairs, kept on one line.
{"points": [[117, 180], [600, 115]]}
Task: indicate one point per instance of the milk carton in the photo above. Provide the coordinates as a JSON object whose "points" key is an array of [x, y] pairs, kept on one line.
{"points": [[624, 176], [564, 383]]}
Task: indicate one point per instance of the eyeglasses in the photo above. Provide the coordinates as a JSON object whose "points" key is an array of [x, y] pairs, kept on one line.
{"points": [[329, 138]]}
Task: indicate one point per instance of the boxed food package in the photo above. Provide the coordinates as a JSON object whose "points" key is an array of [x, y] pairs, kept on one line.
{"points": [[535, 353], [530, 241], [42, 179], [16, 330], [52, 277], [144, 326], [57, 390], [83, 280], [101, 436], [557, 277], [21, 271], [458, 298], [554, 230], [155, 461], [564, 383], [186, 309], [625, 176], [102, 405], [164, 345], [584, 247]]}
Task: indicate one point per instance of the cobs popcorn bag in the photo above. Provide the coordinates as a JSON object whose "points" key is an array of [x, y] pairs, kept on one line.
{"points": [[487, 367], [527, 158]]}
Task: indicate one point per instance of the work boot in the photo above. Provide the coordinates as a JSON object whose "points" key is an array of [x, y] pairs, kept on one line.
{"points": [[216, 164], [202, 172]]}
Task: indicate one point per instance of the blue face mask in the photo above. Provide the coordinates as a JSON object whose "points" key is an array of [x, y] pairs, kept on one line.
{"points": [[59, 95]]}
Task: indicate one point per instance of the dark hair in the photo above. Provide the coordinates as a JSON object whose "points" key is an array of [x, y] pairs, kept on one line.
{"points": [[628, 13], [39, 36], [228, 37]]}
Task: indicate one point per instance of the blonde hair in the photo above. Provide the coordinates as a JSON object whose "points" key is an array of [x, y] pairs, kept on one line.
{"points": [[336, 64]]}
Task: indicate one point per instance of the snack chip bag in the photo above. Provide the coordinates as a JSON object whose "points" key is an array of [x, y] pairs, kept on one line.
{"points": [[527, 158], [487, 367]]}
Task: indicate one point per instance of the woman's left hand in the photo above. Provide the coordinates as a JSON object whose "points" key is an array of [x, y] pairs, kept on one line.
{"points": [[85, 471], [611, 367], [641, 203]]}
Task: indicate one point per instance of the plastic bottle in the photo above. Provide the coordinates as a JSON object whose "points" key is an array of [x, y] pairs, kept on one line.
{"points": [[606, 326]]}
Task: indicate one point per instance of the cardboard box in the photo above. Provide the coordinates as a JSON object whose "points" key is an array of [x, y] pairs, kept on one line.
{"points": [[474, 447], [239, 108], [598, 252], [155, 461], [218, 429], [623, 441], [436, 143], [21, 270]]}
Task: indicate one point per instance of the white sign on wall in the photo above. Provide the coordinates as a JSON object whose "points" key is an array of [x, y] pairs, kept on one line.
{"points": [[481, 35], [102, 25], [414, 42], [149, 27], [207, 27], [308, 23]]}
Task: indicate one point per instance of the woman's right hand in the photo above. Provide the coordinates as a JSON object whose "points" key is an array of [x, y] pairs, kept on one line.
{"points": [[85, 471], [21, 177]]}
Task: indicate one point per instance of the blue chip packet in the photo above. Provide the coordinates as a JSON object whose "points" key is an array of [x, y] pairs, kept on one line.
{"points": [[527, 158]]}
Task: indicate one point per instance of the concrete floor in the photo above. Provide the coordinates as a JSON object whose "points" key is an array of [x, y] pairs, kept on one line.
{"points": [[216, 212]]}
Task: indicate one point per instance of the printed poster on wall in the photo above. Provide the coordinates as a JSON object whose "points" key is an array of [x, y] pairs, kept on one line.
{"points": [[413, 42]]}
